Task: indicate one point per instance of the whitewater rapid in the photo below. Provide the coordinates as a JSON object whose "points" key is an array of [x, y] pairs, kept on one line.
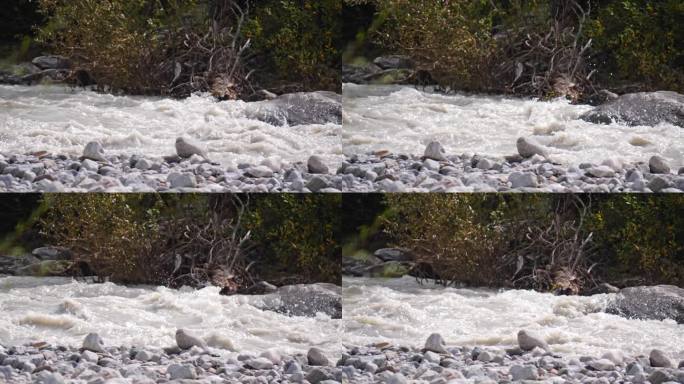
{"points": [[404, 119], [405, 313], [62, 120], [62, 311]]}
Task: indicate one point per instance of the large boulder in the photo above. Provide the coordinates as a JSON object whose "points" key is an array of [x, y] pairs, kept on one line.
{"points": [[393, 62], [305, 300], [657, 302], [299, 108], [642, 108], [393, 254], [51, 62]]}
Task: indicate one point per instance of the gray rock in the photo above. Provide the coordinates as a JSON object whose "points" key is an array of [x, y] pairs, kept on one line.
{"points": [[642, 108], [396, 378], [261, 171], [52, 253], [51, 62], [601, 171], [528, 341], [431, 165], [435, 151], [435, 343], [186, 340], [658, 358], [393, 254], [143, 164], [658, 183], [181, 372], [305, 300], [528, 147], [393, 62], [90, 165], [300, 108], [657, 302], [260, 363], [315, 165], [523, 180], [657, 164], [186, 147], [523, 372], [658, 376], [93, 342], [94, 151], [602, 365], [316, 184], [47, 377], [181, 180], [316, 357]]}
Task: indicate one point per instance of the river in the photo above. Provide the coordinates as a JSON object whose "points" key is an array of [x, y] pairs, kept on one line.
{"points": [[62, 311], [404, 119], [405, 313], [62, 120]]}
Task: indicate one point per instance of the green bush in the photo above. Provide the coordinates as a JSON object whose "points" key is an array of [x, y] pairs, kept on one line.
{"points": [[640, 238], [640, 42], [298, 235], [298, 41]]}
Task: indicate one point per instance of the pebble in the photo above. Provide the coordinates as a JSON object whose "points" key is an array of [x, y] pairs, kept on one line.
{"points": [[657, 164], [316, 357], [93, 342], [186, 148], [528, 147], [316, 165], [94, 151], [528, 341], [658, 358], [435, 151], [435, 343]]}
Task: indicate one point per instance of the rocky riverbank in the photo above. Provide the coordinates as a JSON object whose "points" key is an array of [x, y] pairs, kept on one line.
{"points": [[190, 360], [189, 170], [531, 170], [531, 361]]}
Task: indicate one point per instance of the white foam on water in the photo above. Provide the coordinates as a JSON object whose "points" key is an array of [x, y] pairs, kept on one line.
{"points": [[403, 312], [404, 119], [62, 311], [61, 120]]}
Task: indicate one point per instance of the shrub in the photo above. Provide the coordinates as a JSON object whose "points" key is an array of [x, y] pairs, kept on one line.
{"points": [[641, 238], [297, 41], [641, 42], [298, 235], [109, 232]]}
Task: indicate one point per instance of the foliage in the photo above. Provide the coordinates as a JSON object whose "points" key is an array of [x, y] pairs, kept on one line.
{"points": [[298, 41], [540, 48], [564, 243], [198, 239], [640, 41], [641, 237], [298, 234], [107, 231]]}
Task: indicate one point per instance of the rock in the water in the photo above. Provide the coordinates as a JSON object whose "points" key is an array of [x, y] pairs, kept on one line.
{"points": [[94, 343], [94, 151], [51, 62], [657, 302], [316, 357], [316, 165], [658, 358], [435, 151], [305, 300], [657, 164], [300, 108], [186, 147], [528, 341], [186, 340], [528, 147], [389, 269], [435, 343], [642, 108]]}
